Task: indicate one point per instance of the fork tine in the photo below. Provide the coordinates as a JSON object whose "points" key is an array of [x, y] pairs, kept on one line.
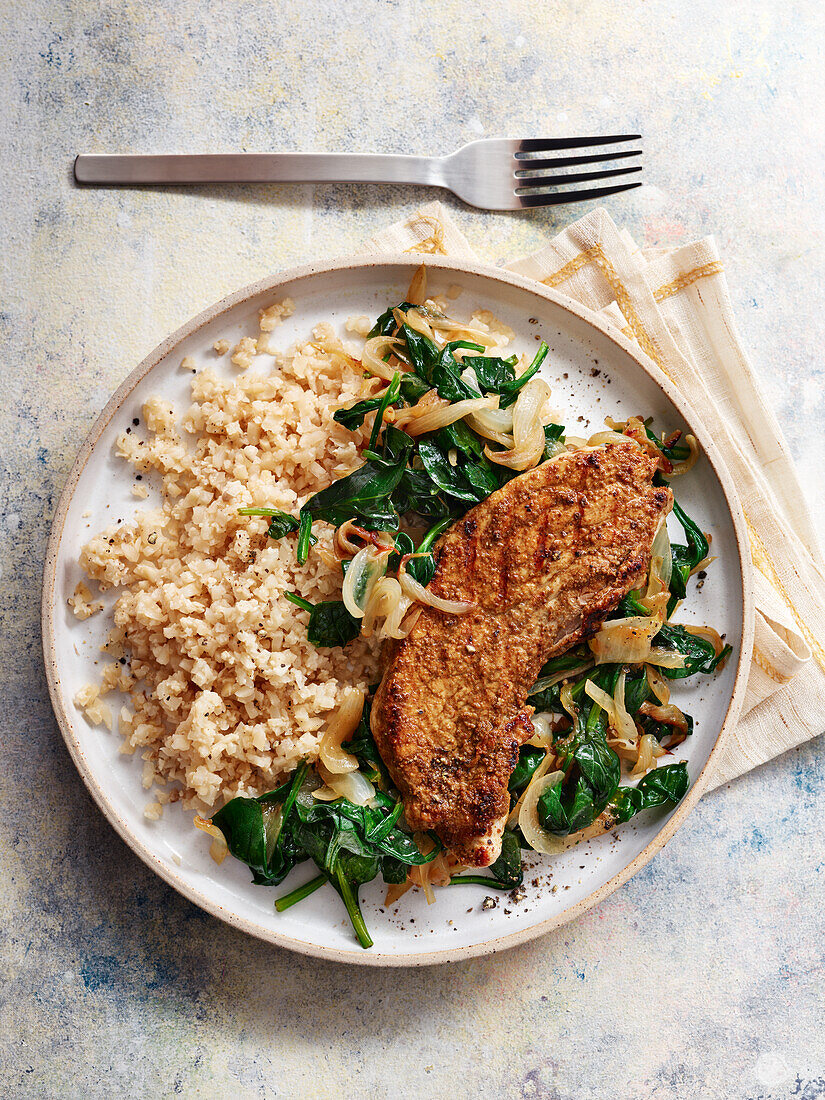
{"points": [[532, 183], [529, 165], [539, 145], [555, 198]]}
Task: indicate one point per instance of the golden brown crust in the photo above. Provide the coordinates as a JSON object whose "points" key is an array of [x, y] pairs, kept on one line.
{"points": [[544, 560]]}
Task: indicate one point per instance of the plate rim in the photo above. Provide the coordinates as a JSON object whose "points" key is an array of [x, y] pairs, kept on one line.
{"points": [[271, 283]]}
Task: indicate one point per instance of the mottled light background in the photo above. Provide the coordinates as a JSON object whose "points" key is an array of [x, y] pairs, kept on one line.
{"points": [[703, 976]]}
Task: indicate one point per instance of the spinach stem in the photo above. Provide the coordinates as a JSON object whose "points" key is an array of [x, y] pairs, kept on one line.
{"points": [[292, 794], [593, 717], [299, 601], [390, 397], [350, 900], [387, 825], [300, 893], [513, 388], [479, 880], [304, 537], [433, 534]]}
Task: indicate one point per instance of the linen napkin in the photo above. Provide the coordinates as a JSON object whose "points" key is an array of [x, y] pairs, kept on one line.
{"points": [[674, 304]]}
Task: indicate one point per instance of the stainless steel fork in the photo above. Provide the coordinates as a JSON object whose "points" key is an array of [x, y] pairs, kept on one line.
{"points": [[494, 173]]}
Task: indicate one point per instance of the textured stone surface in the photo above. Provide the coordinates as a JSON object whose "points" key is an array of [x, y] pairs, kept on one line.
{"points": [[703, 976]]}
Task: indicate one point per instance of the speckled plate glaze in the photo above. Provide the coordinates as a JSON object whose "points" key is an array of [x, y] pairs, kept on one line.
{"points": [[594, 372]]}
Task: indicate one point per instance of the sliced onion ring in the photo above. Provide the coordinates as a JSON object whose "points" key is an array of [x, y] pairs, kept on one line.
{"points": [[601, 439], [599, 695], [468, 375], [625, 726], [620, 721], [372, 357], [689, 462], [566, 700], [458, 330], [382, 540], [387, 601], [528, 428], [419, 875], [668, 714], [273, 816], [528, 819], [494, 423], [364, 571], [543, 724], [710, 635]]}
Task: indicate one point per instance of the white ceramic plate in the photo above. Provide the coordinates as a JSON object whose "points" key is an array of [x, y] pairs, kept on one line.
{"points": [[594, 372]]}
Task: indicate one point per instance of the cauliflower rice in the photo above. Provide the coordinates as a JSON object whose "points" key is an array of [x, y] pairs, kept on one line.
{"points": [[226, 693]]}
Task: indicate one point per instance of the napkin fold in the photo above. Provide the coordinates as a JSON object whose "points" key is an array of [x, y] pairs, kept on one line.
{"points": [[674, 303]]}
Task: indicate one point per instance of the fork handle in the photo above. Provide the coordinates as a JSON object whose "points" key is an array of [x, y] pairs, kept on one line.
{"points": [[102, 168]]}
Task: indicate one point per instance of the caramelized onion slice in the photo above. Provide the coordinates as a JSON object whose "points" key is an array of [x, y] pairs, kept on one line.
{"points": [[543, 724], [419, 875], [528, 428], [387, 601], [495, 420], [416, 591], [218, 849], [657, 684], [415, 320], [710, 635], [458, 330], [625, 641], [340, 727], [381, 540], [600, 696], [566, 700], [600, 439], [372, 357], [668, 714], [354, 786], [364, 572], [649, 750], [664, 658], [661, 560], [449, 414], [417, 290], [556, 678], [690, 461], [618, 717], [625, 726]]}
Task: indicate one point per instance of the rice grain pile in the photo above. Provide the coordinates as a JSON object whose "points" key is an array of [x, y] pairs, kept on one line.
{"points": [[227, 695]]}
